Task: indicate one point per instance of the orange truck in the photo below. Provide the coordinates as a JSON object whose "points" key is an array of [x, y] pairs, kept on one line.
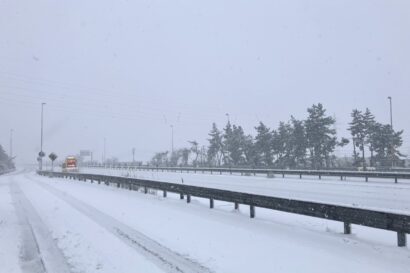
{"points": [[70, 165]]}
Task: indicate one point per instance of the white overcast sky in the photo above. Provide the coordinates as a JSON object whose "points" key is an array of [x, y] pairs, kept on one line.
{"points": [[127, 70]]}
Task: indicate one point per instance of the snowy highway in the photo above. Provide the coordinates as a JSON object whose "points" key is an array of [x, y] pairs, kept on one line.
{"points": [[377, 194], [70, 226]]}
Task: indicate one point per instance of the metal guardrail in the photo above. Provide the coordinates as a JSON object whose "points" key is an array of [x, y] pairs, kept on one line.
{"points": [[319, 173], [348, 215]]}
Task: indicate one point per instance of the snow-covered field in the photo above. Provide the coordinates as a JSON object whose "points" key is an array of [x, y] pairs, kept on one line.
{"points": [[378, 194], [62, 225]]}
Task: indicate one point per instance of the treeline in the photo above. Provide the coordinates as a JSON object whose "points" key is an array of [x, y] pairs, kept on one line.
{"points": [[308, 143], [380, 140], [6, 163]]}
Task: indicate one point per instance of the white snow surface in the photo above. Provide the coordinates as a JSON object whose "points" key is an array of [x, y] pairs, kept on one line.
{"points": [[377, 194], [105, 229]]}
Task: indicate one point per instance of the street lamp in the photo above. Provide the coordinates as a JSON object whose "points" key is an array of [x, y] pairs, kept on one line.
{"points": [[227, 114], [41, 154], [392, 133], [391, 112]]}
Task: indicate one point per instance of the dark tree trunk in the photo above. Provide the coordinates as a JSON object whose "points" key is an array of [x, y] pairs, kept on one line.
{"points": [[363, 158]]}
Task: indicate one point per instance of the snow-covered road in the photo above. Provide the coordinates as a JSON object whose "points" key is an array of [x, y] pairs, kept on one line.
{"points": [[84, 227], [376, 194]]}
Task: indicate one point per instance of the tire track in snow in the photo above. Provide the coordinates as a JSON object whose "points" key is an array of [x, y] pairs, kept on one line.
{"points": [[162, 256], [39, 253]]}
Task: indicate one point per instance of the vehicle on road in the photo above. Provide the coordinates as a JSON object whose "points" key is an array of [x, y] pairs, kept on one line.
{"points": [[70, 164]]}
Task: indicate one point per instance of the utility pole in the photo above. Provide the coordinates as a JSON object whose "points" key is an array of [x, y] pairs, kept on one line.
{"points": [[391, 126], [172, 139], [41, 140], [133, 155], [229, 120], [11, 144], [391, 111]]}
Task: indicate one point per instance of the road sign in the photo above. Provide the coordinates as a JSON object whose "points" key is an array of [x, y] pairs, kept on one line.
{"points": [[85, 153]]}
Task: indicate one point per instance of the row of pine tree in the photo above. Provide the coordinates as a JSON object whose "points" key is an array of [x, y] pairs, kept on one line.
{"points": [[5, 161], [308, 143]]}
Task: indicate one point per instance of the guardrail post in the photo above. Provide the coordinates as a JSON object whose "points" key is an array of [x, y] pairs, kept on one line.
{"points": [[367, 178], [401, 239], [283, 175], [300, 175], [188, 198], [164, 194], [320, 177], [252, 211], [236, 205], [118, 185], [395, 180], [145, 190], [347, 228], [99, 181], [181, 196], [211, 203], [341, 178]]}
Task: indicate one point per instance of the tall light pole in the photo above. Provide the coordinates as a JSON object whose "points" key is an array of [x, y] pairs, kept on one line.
{"points": [[172, 139], [391, 126], [133, 155], [391, 112], [41, 140]]}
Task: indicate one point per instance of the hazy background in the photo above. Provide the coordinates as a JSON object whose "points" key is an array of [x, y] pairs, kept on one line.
{"points": [[127, 70]]}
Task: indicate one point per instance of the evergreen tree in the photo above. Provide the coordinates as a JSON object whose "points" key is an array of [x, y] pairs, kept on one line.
{"points": [[359, 133], [369, 124], [250, 153], [184, 155], [160, 159], [3, 156], [195, 149], [298, 143], [263, 144], [282, 145], [386, 143], [320, 136], [5, 160], [215, 150], [236, 147], [228, 143]]}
